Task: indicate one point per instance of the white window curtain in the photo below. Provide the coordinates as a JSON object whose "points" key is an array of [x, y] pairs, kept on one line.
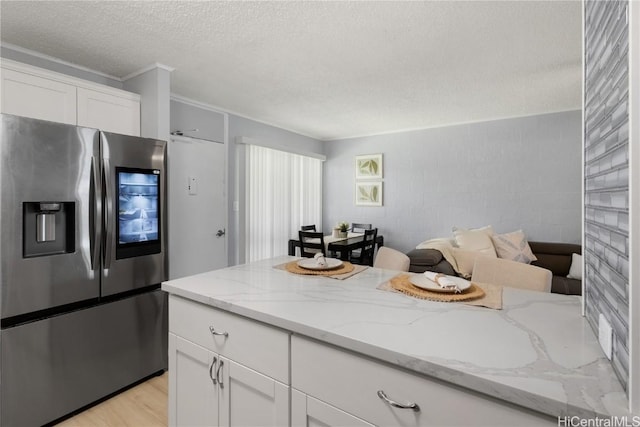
{"points": [[284, 191]]}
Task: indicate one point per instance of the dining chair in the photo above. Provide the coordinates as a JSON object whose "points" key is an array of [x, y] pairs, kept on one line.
{"points": [[311, 227], [359, 228], [367, 248], [311, 243], [505, 272], [391, 259]]}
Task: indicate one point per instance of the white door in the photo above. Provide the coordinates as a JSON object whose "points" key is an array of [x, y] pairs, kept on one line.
{"points": [[197, 206], [248, 398], [193, 396]]}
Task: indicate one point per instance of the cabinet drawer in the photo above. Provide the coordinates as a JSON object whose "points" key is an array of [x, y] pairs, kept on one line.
{"points": [[251, 343], [351, 382]]}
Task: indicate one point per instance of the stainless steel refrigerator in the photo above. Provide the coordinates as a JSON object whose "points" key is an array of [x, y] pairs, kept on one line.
{"points": [[83, 251]]}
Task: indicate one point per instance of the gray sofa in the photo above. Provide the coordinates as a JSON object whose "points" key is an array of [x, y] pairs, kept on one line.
{"points": [[552, 256]]}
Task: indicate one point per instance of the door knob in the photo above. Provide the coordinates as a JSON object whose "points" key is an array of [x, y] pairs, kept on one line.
{"points": [[221, 233]]}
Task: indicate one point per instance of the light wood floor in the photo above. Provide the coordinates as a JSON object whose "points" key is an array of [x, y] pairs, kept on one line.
{"points": [[142, 406]]}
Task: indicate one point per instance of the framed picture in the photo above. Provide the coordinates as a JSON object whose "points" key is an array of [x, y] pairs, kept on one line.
{"points": [[369, 166], [369, 193]]}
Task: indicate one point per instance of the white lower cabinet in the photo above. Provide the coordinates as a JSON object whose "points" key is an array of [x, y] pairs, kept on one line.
{"points": [[309, 412], [259, 346], [248, 398], [383, 395], [217, 371], [193, 395], [207, 389]]}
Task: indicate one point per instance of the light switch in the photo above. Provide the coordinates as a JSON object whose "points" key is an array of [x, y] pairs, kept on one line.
{"points": [[605, 336], [193, 185]]}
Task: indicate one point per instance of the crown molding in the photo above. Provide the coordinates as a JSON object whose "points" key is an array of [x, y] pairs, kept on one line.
{"points": [[148, 68], [56, 60], [199, 104]]}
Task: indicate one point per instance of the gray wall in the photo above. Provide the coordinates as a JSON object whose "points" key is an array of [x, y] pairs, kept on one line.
{"points": [[269, 136], [521, 173], [607, 174], [210, 124]]}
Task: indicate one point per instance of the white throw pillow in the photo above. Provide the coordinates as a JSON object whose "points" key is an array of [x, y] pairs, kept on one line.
{"points": [[575, 272], [487, 229], [513, 246], [446, 241], [475, 240]]}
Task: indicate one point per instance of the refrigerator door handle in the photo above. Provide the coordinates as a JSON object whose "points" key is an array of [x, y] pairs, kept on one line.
{"points": [[108, 214], [96, 213]]}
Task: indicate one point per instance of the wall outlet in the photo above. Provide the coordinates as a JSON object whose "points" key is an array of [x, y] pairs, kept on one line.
{"points": [[236, 206], [605, 335]]}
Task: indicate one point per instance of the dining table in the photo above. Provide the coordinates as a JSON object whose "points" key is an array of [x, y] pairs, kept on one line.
{"points": [[340, 247]]}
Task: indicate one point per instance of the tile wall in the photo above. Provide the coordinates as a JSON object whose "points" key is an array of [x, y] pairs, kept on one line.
{"points": [[606, 116]]}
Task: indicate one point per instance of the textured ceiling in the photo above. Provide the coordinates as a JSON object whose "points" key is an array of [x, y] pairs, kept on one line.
{"points": [[327, 69]]}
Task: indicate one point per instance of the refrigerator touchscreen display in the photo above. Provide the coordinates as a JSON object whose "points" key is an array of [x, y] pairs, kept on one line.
{"points": [[138, 209]]}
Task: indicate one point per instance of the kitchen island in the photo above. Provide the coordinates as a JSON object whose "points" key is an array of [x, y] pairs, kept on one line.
{"points": [[275, 348]]}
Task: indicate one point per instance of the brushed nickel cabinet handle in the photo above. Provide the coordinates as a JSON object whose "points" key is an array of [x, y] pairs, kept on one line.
{"points": [[218, 372], [383, 396], [214, 332], [213, 363]]}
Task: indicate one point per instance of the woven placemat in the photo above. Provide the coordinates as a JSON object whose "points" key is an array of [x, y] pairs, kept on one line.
{"points": [[402, 284], [293, 267]]}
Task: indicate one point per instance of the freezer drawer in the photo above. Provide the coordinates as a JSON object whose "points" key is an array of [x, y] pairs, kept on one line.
{"points": [[54, 366]]}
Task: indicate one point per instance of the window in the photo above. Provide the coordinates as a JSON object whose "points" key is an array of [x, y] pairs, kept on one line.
{"points": [[284, 191]]}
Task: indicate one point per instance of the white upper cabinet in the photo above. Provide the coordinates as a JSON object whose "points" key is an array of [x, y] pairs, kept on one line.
{"points": [[42, 94], [108, 112], [36, 97]]}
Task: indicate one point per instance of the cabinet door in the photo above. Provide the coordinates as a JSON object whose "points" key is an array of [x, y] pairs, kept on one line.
{"points": [[107, 112], [193, 396], [248, 398], [309, 412], [39, 98]]}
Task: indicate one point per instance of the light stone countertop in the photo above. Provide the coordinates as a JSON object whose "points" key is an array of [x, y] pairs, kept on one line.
{"points": [[538, 351]]}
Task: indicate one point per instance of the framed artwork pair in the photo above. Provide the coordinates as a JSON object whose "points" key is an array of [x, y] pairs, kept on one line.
{"points": [[368, 189]]}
